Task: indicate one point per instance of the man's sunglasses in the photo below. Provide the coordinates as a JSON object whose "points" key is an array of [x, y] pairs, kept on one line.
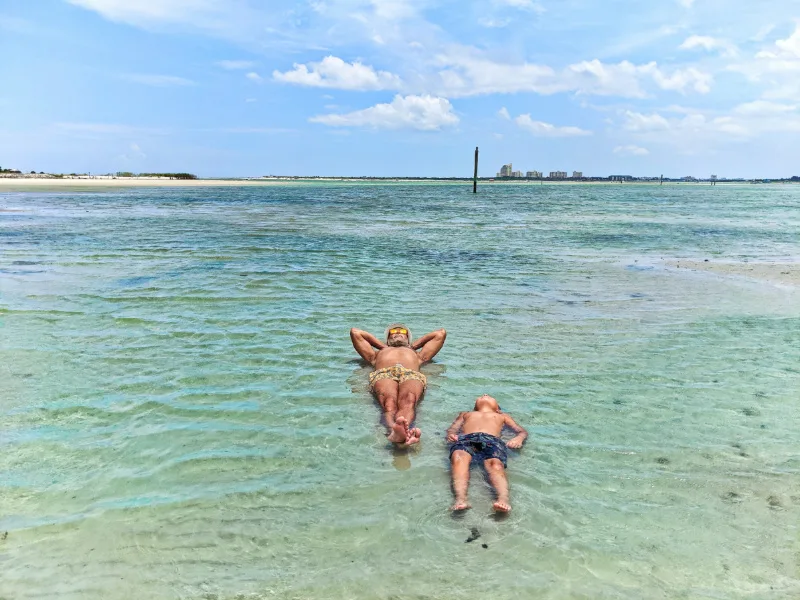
{"points": [[399, 330]]}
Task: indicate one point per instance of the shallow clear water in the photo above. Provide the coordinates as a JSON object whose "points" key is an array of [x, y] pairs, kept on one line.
{"points": [[183, 415]]}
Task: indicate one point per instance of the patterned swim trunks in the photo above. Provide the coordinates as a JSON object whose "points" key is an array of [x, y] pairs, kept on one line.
{"points": [[481, 446], [397, 373]]}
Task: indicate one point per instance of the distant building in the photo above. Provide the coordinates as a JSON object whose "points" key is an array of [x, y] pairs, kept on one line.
{"points": [[577, 174], [620, 177], [533, 174], [505, 171], [689, 178], [558, 174], [516, 173]]}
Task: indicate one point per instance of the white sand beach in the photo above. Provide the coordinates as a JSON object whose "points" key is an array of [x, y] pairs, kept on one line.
{"points": [[42, 183]]}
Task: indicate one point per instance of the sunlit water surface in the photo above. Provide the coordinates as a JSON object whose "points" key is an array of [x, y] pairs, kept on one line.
{"points": [[182, 414]]}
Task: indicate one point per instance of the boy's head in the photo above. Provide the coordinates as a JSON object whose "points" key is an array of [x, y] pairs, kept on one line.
{"points": [[487, 403]]}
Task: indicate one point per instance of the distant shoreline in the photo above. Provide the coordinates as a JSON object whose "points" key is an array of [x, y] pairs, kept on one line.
{"points": [[42, 183]]}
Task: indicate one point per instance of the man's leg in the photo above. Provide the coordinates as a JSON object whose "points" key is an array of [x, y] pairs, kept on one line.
{"points": [[386, 391], [459, 469], [497, 478], [409, 394]]}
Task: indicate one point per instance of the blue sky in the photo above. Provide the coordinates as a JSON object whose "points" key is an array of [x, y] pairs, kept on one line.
{"points": [[401, 87]]}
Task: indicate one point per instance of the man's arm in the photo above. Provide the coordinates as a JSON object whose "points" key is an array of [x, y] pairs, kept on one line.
{"points": [[430, 344], [366, 344], [519, 439], [452, 431]]}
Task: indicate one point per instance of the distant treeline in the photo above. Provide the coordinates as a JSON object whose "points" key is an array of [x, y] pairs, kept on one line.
{"points": [[170, 175]]}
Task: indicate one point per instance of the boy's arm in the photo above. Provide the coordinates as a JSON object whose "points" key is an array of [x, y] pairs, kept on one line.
{"points": [[519, 439], [430, 344], [366, 344], [452, 431]]}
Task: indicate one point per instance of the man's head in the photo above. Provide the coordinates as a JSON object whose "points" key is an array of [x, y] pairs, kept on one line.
{"points": [[398, 335], [486, 402]]}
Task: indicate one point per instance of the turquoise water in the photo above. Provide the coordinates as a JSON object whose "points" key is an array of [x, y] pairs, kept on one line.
{"points": [[183, 415]]}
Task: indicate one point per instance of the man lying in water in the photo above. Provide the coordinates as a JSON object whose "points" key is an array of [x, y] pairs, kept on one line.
{"points": [[396, 382], [480, 440]]}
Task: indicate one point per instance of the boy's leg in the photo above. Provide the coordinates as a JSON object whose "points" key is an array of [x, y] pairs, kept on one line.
{"points": [[459, 466], [497, 479]]}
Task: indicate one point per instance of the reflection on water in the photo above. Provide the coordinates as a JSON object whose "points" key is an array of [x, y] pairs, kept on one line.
{"points": [[184, 415]]}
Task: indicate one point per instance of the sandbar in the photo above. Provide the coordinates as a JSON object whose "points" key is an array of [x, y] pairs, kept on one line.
{"points": [[776, 273]]}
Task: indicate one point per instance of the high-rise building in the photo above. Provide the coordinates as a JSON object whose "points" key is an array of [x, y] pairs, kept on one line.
{"points": [[558, 174], [505, 171], [577, 174], [516, 173], [533, 174]]}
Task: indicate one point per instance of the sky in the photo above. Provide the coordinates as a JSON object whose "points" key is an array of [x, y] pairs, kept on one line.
{"points": [[401, 87]]}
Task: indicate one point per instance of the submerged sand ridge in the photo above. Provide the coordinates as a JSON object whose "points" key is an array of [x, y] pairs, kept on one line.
{"points": [[776, 273]]}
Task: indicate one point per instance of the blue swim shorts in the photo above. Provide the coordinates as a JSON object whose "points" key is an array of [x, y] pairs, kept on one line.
{"points": [[481, 446]]}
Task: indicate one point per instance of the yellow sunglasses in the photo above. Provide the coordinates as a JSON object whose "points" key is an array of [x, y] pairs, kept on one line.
{"points": [[398, 330]]}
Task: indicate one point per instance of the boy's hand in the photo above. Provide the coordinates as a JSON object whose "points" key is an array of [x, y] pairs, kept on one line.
{"points": [[515, 443], [452, 437]]}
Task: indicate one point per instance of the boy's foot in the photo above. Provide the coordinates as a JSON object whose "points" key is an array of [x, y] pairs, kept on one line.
{"points": [[399, 432], [501, 507], [460, 505]]}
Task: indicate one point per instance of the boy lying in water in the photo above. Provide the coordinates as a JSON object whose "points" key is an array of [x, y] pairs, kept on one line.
{"points": [[480, 440]]}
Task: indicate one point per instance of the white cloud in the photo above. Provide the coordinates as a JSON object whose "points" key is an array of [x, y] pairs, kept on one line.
{"points": [[639, 122], [426, 113], [777, 66], [686, 3], [763, 107], [631, 150], [503, 113], [467, 73], [681, 79], [253, 76], [744, 121], [709, 44], [145, 10], [248, 23], [333, 72], [493, 23], [791, 45], [542, 129], [233, 65], [134, 152], [763, 32], [158, 80]]}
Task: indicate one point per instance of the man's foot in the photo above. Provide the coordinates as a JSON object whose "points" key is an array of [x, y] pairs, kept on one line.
{"points": [[460, 505], [399, 432], [413, 436], [501, 506]]}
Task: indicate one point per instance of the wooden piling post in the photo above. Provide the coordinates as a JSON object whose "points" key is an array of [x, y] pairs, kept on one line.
{"points": [[475, 175]]}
